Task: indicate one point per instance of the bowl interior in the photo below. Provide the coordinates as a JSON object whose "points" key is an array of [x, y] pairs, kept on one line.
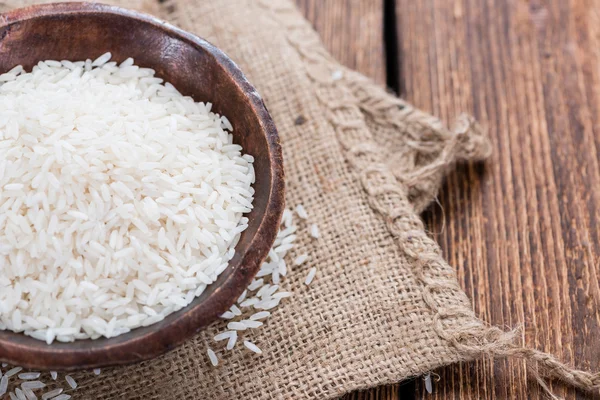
{"points": [[80, 31]]}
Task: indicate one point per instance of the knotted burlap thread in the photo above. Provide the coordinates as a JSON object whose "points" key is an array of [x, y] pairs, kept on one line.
{"points": [[384, 305], [419, 150]]}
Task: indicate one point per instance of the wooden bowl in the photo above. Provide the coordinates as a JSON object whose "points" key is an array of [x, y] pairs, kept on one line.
{"points": [[77, 31]]}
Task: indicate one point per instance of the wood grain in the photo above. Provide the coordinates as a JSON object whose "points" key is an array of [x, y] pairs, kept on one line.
{"points": [[352, 31], [523, 231]]}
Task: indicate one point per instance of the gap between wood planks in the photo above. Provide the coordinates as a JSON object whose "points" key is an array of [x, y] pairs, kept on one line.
{"points": [[393, 67]]}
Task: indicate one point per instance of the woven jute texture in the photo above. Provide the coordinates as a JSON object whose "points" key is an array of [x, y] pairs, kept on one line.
{"points": [[384, 305]]}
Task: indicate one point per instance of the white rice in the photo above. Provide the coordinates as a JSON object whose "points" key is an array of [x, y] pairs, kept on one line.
{"points": [[301, 211], [281, 295], [263, 294], [255, 284], [252, 347], [29, 394], [13, 371], [235, 310], [71, 381], [3, 385], [116, 193], [223, 336], [249, 323], [250, 302], [260, 315], [52, 393], [29, 381], [428, 384], [311, 275], [228, 315], [237, 326], [301, 259], [314, 231], [19, 394], [337, 75], [213, 357], [242, 296], [29, 375], [232, 340], [33, 385]]}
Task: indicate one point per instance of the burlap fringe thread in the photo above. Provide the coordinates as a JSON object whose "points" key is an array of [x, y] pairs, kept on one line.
{"points": [[423, 135], [464, 142]]}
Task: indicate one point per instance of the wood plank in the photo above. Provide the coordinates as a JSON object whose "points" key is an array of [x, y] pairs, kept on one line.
{"points": [[352, 30], [523, 230]]}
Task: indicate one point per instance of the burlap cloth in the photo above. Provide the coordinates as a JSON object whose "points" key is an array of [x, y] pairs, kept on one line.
{"points": [[384, 306]]}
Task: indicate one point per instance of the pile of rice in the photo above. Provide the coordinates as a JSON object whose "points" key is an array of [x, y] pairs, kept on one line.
{"points": [[120, 198], [245, 318]]}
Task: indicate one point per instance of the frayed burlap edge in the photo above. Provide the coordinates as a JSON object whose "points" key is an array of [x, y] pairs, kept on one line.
{"points": [[389, 198], [423, 136]]}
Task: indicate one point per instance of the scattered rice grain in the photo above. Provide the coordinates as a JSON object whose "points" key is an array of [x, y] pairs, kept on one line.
{"points": [[314, 231], [301, 259], [13, 371], [29, 375], [310, 276], [301, 211], [251, 323], [238, 326], [224, 335], [260, 315], [63, 396], [213, 357], [33, 385], [3, 385], [71, 381], [52, 393], [252, 347]]}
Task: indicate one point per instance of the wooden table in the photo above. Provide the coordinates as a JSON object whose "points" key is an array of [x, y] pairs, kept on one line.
{"points": [[523, 230]]}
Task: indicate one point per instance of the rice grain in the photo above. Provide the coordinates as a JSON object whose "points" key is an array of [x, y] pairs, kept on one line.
{"points": [[252, 347], [71, 381], [301, 211], [311, 275], [52, 393], [213, 357], [314, 231]]}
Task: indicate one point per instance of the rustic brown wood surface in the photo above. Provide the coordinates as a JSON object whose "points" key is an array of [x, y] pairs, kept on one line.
{"points": [[522, 231], [352, 30]]}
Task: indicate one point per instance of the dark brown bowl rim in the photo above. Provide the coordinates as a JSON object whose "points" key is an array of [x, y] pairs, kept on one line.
{"points": [[190, 320]]}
